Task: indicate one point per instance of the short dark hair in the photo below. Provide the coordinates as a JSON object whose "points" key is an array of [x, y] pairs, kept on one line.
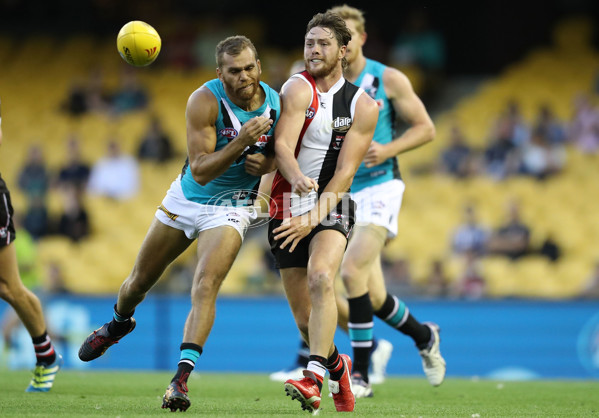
{"points": [[333, 22], [233, 45]]}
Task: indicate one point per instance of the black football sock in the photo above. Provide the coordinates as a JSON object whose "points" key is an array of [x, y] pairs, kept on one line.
{"points": [[120, 323], [335, 366], [44, 349], [189, 355], [395, 313], [360, 333]]}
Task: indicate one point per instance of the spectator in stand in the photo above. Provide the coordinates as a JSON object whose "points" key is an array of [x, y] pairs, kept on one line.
{"points": [[76, 102], [55, 281], [457, 159], [550, 249], [155, 145], [97, 97], [437, 283], [513, 238], [554, 129], [116, 175], [583, 131], [74, 221], [75, 172], [131, 95], [470, 236], [471, 284], [501, 155], [34, 179], [540, 158], [36, 219], [591, 287], [519, 130]]}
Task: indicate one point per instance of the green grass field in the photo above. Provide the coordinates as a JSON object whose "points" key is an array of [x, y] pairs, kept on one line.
{"points": [[127, 394]]}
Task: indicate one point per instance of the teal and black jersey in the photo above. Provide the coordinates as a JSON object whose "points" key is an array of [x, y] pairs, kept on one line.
{"points": [[371, 80], [234, 187]]}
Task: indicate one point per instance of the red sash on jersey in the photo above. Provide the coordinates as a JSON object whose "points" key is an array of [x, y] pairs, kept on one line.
{"points": [[280, 186]]}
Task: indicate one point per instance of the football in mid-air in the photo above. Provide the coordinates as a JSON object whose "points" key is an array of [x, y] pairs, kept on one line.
{"points": [[138, 43]]}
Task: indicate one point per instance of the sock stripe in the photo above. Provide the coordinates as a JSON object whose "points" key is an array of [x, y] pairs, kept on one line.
{"points": [[357, 325], [46, 353], [361, 344], [43, 343], [405, 316], [317, 368], [187, 361], [190, 354], [395, 309], [398, 315], [361, 334]]}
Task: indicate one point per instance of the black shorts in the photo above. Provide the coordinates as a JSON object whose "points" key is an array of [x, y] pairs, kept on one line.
{"points": [[337, 220], [7, 227]]}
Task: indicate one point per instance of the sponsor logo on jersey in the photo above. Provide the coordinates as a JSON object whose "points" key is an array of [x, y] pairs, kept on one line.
{"points": [[341, 124], [233, 217], [340, 219], [229, 133], [310, 112], [263, 140], [338, 142], [380, 103]]}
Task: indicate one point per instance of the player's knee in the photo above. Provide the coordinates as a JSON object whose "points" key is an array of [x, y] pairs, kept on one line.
{"points": [[320, 281], [136, 285], [353, 281], [140, 281], [206, 286], [348, 274]]}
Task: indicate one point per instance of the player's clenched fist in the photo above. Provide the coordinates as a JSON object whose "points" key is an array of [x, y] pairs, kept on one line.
{"points": [[253, 129]]}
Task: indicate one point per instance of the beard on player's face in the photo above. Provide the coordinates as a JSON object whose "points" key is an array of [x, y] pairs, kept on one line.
{"points": [[321, 66]]}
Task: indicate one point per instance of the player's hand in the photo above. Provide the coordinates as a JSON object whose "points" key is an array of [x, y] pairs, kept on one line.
{"points": [[258, 164], [303, 185], [253, 129], [293, 230], [376, 155]]}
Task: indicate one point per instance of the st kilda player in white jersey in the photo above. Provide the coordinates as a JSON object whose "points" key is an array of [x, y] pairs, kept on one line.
{"points": [[327, 120], [325, 128]]}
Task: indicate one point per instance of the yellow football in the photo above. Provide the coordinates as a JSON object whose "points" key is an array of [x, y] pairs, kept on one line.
{"points": [[138, 43]]}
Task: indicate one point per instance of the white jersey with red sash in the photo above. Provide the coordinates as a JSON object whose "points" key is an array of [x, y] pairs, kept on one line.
{"points": [[328, 118]]}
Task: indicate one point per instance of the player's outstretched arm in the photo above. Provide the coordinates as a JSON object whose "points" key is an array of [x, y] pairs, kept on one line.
{"points": [[201, 114], [410, 109]]}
